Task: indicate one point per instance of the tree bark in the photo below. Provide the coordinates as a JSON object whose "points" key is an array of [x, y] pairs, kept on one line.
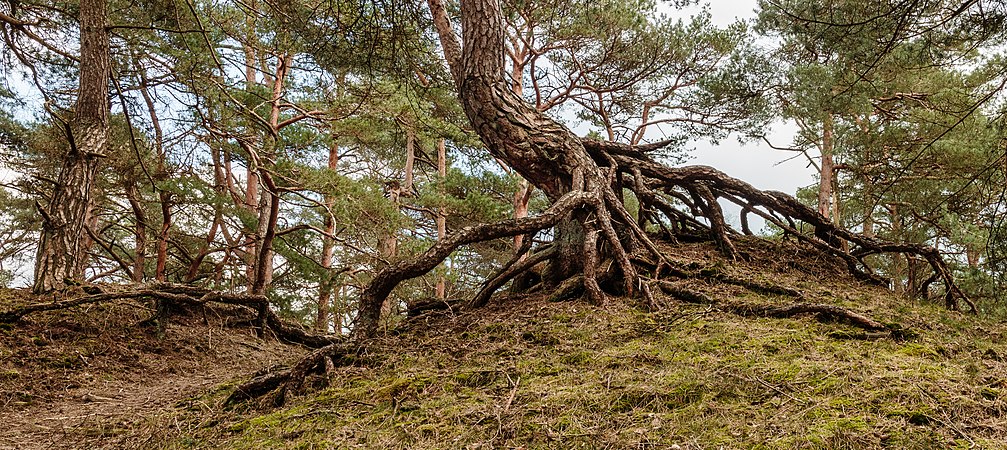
{"points": [[374, 296], [541, 150], [328, 251], [521, 198], [519, 54], [162, 174], [160, 270], [251, 235], [407, 183], [62, 251], [140, 217], [826, 182], [440, 289]]}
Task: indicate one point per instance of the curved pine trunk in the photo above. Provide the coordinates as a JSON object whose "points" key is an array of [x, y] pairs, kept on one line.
{"points": [[543, 151]]}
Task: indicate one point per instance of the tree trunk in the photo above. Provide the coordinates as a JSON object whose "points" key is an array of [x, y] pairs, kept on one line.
{"points": [[521, 198], [62, 251], [140, 217], [264, 263], [898, 283], [251, 235], [972, 254], [442, 227], [523, 194], [162, 174], [388, 245], [328, 251], [264, 249], [407, 183], [541, 150], [160, 271], [828, 169]]}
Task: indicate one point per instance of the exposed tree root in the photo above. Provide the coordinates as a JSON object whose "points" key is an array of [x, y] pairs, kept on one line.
{"points": [[585, 179], [375, 294], [611, 234], [429, 305], [513, 268], [823, 311], [179, 294], [715, 274], [707, 184], [286, 382]]}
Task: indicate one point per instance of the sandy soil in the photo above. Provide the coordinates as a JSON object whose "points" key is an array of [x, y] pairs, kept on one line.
{"points": [[125, 379]]}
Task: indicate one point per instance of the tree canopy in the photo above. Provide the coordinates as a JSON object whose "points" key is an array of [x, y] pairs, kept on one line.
{"points": [[349, 160]]}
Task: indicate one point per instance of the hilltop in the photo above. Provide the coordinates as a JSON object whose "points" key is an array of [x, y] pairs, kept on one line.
{"points": [[526, 372]]}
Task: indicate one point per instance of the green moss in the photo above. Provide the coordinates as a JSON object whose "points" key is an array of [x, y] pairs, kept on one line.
{"points": [[578, 358], [569, 376], [480, 378], [920, 350]]}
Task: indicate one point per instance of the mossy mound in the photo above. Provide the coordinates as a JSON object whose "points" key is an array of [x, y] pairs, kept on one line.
{"points": [[528, 373]]}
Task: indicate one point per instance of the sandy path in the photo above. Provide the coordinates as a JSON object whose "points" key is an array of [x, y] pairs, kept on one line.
{"points": [[110, 410]]}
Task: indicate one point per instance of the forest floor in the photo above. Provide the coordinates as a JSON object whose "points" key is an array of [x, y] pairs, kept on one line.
{"points": [[525, 372], [94, 378]]}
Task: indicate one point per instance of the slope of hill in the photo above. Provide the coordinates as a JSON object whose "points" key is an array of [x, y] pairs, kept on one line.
{"points": [[93, 377], [526, 372], [529, 373]]}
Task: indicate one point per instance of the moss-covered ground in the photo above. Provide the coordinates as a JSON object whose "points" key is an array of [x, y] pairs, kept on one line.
{"points": [[527, 373]]}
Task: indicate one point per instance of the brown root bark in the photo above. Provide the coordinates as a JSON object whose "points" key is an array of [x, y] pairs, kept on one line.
{"points": [[778, 208], [179, 294], [823, 311], [291, 381], [515, 267], [376, 293]]}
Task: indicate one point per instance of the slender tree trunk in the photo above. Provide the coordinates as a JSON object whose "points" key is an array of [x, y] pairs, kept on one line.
{"points": [[220, 186], [251, 235], [912, 283], [62, 251], [251, 200], [388, 245], [972, 255], [898, 284], [440, 289], [160, 271], [523, 194], [264, 266], [259, 244], [828, 169], [328, 251], [521, 199], [162, 174], [407, 182], [264, 249], [868, 200], [269, 200], [140, 217]]}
